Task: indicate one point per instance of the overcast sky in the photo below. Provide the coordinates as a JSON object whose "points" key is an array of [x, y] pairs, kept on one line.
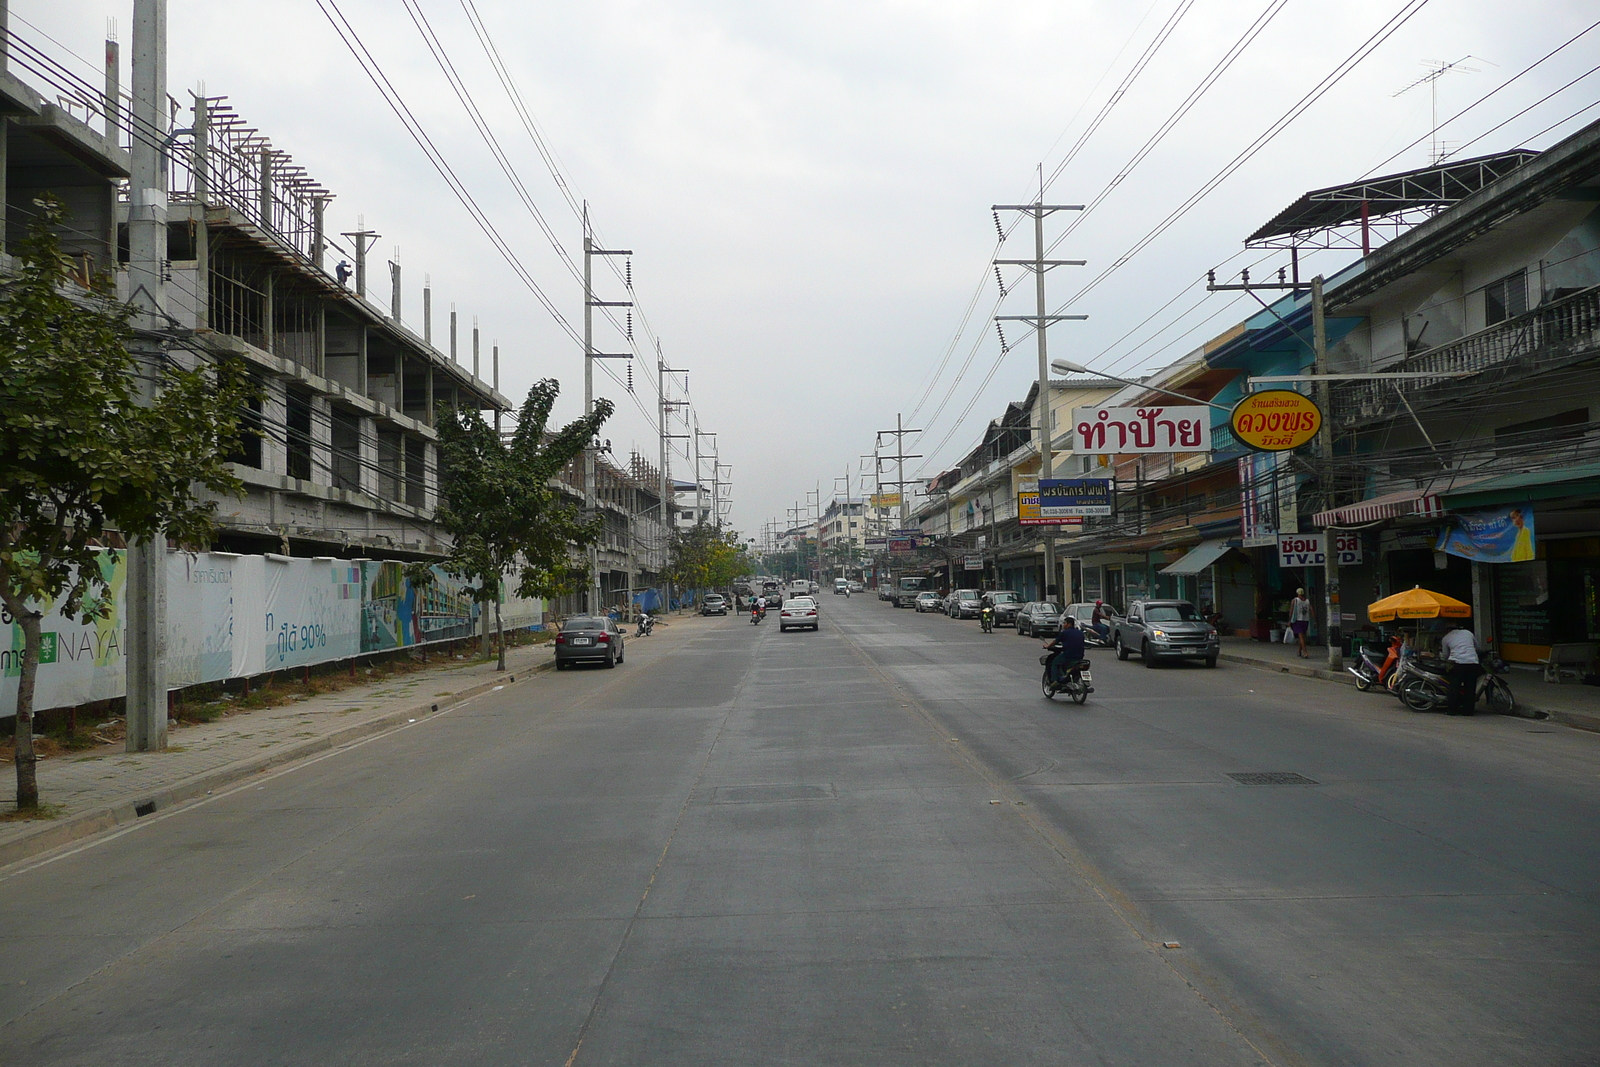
{"points": [[806, 186]]}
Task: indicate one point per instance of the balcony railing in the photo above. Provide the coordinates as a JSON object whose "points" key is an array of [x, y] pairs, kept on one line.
{"points": [[1546, 338]]}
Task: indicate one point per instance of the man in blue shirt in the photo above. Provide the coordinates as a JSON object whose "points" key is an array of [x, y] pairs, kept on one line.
{"points": [[1068, 647]]}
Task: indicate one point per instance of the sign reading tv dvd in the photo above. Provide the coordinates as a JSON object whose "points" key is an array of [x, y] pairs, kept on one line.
{"points": [[1064, 498]]}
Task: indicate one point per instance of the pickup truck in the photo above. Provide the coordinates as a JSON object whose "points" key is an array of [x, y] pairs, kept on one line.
{"points": [[1165, 629]]}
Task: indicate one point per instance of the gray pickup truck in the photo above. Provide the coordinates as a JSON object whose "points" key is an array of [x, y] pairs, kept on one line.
{"points": [[1165, 629]]}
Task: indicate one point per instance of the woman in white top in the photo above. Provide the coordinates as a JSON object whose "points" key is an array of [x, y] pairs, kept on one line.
{"points": [[1300, 620]]}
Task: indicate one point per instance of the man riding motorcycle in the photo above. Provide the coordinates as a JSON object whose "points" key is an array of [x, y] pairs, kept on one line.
{"points": [[1067, 648], [1100, 620], [986, 617], [758, 610]]}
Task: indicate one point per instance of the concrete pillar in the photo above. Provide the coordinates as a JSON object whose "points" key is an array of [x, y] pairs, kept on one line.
{"points": [[430, 475], [369, 455], [361, 359], [321, 440], [275, 424]]}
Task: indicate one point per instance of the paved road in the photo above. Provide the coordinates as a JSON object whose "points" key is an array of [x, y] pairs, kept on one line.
{"points": [[875, 844]]}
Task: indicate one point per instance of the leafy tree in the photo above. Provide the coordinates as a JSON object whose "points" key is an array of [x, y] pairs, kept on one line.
{"points": [[704, 557], [499, 504], [80, 456]]}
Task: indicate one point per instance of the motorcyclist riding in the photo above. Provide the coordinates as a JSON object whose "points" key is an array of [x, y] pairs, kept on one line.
{"points": [[1099, 620], [1067, 648], [758, 610], [986, 617]]}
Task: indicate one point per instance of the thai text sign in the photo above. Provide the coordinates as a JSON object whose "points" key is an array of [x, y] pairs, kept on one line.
{"points": [[1061, 498], [1275, 420], [1117, 431], [886, 500], [1498, 535], [902, 545], [972, 563], [1305, 550], [1028, 512]]}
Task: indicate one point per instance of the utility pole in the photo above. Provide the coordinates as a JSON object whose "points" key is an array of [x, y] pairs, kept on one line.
{"points": [[590, 504], [699, 482], [900, 456], [1330, 536], [1320, 377], [364, 239], [147, 256], [1041, 322], [669, 499]]}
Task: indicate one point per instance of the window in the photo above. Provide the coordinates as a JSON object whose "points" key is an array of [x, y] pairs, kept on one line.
{"points": [[1521, 438], [1506, 298], [346, 451], [298, 416]]}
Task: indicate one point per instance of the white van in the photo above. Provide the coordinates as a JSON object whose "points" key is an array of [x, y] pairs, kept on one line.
{"points": [[841, 585]]}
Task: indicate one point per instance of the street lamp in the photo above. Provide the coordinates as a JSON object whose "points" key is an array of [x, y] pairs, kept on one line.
{"points": [[1066, 366]]}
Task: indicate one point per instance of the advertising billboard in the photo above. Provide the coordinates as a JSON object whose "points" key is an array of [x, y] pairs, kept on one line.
{"points": [[1062, 498], [1140, 430]]}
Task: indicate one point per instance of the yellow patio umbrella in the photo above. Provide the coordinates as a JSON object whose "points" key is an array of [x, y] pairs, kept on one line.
{"points": [[1417, 603]]}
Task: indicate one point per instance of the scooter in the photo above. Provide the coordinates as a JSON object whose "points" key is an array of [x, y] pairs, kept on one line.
{"points": [[1075, 682], [646, 624], [757, 613], [1372, 669], [986, 620], [1095, 639]]}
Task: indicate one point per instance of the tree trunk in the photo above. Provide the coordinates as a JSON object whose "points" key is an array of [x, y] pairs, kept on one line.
{"points": [[500, 635], [27, 761]]}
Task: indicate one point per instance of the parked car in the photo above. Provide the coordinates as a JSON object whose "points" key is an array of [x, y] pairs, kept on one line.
{"points": [[1038, 618], [928, 601], [713, 604], [1006, 604], [1165, 629], [587, 639], [799, 613], [964, 604]]}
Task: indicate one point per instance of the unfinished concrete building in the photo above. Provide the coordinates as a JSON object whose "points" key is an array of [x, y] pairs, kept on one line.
{"points": [[342, 458]]}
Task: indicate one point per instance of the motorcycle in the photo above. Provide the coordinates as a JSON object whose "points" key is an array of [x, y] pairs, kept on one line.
{"points": [[1095, 639], [986, 620], [1371, 669], [1076, 680], [646, 624], [1424, 686], [757, 613]]}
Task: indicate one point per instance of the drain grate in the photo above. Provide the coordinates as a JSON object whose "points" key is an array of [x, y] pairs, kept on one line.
{"points": [[1271, 778], [769, 794]]}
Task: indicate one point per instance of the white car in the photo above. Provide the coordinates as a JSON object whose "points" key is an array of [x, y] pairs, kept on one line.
{"points": [[799, 612]]}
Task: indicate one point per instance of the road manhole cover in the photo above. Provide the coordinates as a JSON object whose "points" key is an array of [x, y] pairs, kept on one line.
{"points": [[1271, 778], [771, 794]]}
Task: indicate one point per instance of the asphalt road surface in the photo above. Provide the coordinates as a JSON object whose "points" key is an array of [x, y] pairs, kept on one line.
{"points": [[875, 844]]}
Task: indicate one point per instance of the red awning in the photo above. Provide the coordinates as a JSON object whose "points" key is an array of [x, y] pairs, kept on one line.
{"points": [[1420, 502]]}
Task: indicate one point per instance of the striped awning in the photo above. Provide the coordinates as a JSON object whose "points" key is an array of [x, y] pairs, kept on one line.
{"points": [[1419, 502]]}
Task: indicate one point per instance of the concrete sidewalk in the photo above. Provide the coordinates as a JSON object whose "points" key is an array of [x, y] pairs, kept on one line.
{"points": [[106, 787], [1570, 704]]}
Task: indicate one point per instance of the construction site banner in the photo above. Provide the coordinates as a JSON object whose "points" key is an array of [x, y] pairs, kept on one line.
{"points": [[231, 616]]}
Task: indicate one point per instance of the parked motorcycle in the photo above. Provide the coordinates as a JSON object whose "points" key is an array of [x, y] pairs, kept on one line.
{"points": [[1373, 668], [1076, 681], [1422, 685], [646, 624]]}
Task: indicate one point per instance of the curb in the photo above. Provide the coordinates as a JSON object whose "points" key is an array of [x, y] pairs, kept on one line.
{"points": [[54, 834], [1525, 709]]}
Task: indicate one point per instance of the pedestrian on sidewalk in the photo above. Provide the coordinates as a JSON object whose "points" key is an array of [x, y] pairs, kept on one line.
{"points": [[1460, 647], [1300, 620]]}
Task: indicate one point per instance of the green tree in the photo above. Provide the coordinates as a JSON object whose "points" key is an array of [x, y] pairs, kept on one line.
{"points": [[499, 503], [81, 457], [704, 557]]}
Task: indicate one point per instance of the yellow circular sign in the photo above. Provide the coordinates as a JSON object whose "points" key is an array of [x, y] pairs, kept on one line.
{"points": [[1276, 420]]}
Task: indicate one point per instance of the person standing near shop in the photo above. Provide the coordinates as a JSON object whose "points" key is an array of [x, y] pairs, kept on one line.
{"points": [[1300, 620], [1460, 648]]}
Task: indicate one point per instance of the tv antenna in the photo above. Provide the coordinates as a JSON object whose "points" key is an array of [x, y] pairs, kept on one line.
{"points": [[1436, 70]]}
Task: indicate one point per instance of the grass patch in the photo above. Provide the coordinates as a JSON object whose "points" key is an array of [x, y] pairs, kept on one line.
{"points": [[39, 814]]}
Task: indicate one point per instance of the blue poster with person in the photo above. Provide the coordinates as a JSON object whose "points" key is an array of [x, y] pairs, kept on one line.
{"points": [[1497, 535]]}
